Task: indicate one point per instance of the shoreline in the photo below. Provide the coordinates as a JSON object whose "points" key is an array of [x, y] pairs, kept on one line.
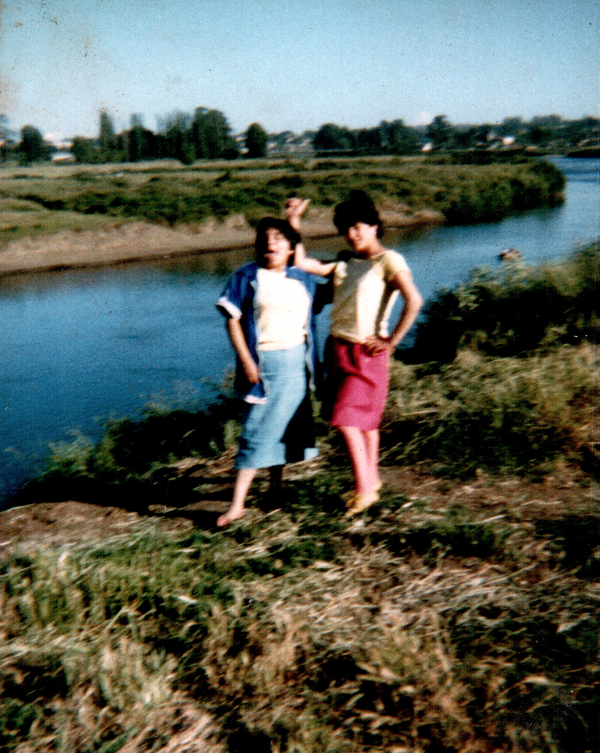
{"points": [[142, 241]]}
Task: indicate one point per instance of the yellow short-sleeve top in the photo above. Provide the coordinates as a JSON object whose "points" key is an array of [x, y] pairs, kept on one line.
{"points": [[363, 296]]}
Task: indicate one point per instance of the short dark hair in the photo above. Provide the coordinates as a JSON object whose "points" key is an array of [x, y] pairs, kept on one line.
{"points": [[260, 245], [358, 207]]}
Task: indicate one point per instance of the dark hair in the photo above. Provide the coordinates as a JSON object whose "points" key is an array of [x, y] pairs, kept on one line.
{"points": [[358, 207], [260, 245]]}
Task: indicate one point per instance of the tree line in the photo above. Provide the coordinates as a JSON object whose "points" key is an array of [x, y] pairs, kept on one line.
{"points": [[206, 134]]}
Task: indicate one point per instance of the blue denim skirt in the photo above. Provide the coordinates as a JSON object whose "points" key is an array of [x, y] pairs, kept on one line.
{"points": [[281, 430]]}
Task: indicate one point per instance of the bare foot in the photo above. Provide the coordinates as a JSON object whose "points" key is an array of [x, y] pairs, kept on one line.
{"points": [[229, 517]]}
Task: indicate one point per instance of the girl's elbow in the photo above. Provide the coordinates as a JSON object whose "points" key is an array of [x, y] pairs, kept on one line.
{"points": [[414, 302]]}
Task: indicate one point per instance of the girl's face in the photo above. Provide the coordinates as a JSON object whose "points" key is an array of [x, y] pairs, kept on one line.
{"points": [[362, 238], [278, 250]]}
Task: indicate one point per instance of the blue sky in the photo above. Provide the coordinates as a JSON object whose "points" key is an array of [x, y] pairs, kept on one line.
{"points": [[296, 64]]}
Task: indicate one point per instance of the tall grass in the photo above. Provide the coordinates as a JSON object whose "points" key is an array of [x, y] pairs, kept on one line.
{"points": [[500, 414], [414, 629]]}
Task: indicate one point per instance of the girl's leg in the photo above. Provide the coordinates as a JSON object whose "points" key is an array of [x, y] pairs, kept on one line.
{"points": [[275, 477], [372, 445], [273, 498], [360, 458], [244, 478]]}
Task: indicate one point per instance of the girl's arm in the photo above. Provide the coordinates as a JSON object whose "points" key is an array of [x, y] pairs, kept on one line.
{"points": [[412, 305], [294, 209], [236, 335], [314, 266]]}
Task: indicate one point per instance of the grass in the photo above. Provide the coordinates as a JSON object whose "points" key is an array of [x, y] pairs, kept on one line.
{"points": [[503, 415], [417, 628], [500, 414], [45, 199]]}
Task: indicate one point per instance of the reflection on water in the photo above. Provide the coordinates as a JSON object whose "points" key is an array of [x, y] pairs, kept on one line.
{"points": [[81, 345]]}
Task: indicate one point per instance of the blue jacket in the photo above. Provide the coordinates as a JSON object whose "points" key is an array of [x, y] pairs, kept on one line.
{"points": [[238, 301]]}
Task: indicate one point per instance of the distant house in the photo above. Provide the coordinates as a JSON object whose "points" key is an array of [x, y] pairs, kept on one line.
{"points": [[63, 157], [290, 144]]}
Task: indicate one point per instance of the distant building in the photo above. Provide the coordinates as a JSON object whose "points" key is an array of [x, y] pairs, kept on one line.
{"points": [[63, 157], [61, 148]]}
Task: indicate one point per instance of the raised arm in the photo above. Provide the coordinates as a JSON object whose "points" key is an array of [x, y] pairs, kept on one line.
{"points": [[294, 209]]}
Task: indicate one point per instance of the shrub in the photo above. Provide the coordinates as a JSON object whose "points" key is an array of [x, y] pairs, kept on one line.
{"points": [[513, 414], [515, 309]]}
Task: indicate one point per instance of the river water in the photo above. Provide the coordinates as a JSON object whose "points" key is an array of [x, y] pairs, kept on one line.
{"points": [[79, 346]]}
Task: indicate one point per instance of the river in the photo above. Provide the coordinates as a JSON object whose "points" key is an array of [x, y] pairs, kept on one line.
{"points": [[79, 346]]}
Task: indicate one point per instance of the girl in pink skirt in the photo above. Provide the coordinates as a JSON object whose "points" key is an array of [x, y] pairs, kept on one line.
{"points": [[365, 289]]}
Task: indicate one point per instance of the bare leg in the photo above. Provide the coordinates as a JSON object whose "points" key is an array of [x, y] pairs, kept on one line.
{"points": [[245, 476], [372, 444], [358, 451]]}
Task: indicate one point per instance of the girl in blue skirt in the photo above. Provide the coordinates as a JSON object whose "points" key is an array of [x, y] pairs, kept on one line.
{"points": [[269, 309]]}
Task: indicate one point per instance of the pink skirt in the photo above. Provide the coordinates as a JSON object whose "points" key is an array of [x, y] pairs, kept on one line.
{"points": [[360, 386]]}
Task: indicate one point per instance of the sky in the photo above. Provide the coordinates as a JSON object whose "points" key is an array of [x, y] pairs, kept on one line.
{"points": [[296, 64]]}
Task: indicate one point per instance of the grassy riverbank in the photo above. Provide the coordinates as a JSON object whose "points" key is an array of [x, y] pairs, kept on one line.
{"points": [[47, 199], [458, 615]]}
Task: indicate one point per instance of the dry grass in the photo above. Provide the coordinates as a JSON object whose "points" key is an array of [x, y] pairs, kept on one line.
{"points": [[417, 628]]}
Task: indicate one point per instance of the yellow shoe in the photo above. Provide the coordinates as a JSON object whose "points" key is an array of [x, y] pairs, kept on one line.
{"points": [[351, 496], [360, 502]]}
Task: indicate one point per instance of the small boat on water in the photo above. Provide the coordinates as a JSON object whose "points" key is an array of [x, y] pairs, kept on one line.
{"points": [[510, 254]]}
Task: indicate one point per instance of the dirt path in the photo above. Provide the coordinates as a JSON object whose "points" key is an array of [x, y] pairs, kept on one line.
{"points": [[136, 241]]}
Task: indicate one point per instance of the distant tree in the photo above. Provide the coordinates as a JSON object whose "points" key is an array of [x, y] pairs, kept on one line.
{"points": [[84, 150], [440, 132], [139, 142], [576, 131], [368, 141], [177, 138], [331, 137], [466, 137], [256, 140], [211, 135], [398, 138], [539, 135], [511, 126], [545, 129], [106, 136], [32, 147], [6, 136]]}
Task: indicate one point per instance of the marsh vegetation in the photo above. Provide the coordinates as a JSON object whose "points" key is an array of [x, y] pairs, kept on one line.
{"points": [[47, 199]]}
